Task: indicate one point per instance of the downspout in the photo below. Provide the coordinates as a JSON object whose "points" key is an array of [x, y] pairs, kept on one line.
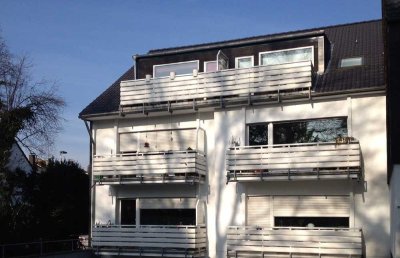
{"points": [[89, 126]]}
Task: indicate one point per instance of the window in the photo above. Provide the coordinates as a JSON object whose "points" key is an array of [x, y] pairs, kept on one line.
{"points": [[128, 212], [318, 130], [210, 66], [330, 222], [287, 56], [244, 62], [168, 216], [350, 62], [179, 68], [258, 134]]}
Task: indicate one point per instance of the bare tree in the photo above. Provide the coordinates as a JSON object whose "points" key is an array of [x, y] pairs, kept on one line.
{"points": [[28, 109]]}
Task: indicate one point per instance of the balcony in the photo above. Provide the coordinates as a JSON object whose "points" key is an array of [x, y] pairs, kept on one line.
{"points": [[247, 241], [150, 167], [248, 84], [153, 241], [294, 161]]}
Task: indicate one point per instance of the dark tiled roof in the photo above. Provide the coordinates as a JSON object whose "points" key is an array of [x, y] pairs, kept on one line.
{"points": [[109, 100], [349, 40], [354, 40]]}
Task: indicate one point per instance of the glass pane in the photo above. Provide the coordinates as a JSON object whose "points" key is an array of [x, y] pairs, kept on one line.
{"points": [[287, 56], [258, 134], [181, 68], [330, 222], [128, 212], [348, 62], [211, 66], [168, 216], [319, 130], [244, 62]]}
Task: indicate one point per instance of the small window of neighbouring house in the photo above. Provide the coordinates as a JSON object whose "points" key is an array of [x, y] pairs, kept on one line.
{"points": [[244, 62], [182, 68], [287, 56], [350, 62], [210, 66]]}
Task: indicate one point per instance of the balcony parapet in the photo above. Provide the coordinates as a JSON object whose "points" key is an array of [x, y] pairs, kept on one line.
{"points": [[153, 241], [253, 241], [222, 86], [294, 161], [150, 167]]}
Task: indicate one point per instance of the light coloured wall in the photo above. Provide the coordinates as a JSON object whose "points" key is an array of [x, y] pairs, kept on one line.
{"points": [[395, 211], [105, 137], [226, 203]]}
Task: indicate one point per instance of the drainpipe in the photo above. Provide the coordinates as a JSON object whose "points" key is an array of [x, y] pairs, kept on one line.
{"points": [[89, 126]]}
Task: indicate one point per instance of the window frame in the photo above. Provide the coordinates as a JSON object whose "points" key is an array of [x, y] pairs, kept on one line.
{"points": [[243, 57], [170, 64], [351, 66], [205, 65], [286, 49]]}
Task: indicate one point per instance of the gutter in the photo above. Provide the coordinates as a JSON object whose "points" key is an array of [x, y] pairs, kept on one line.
{"points": [[235, 43], [315, 95]]}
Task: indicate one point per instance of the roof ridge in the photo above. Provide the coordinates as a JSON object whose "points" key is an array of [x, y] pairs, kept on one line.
{"points": [[160, 50]]}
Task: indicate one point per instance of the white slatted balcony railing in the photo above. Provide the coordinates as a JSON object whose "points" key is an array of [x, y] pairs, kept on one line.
{"points": [[153, 241], [150, 167], [252, 241], [294, 161], [230, 83]]}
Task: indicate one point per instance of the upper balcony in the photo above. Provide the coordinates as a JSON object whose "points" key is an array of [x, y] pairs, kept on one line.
{"points": [[252, 241], [312, 161], [219, 88], [150, 167], [152, 241]]}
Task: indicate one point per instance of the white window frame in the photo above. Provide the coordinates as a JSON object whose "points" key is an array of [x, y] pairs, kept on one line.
{"points": [[243, 57], [169, 64], [286, 49], [205, 65], [350, 58]]}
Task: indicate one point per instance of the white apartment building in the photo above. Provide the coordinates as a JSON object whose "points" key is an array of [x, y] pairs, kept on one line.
{"points": [[270, 146]]}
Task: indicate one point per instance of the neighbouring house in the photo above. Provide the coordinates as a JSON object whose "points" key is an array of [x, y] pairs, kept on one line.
{"points": [[269, 146], [18, 160], [391, 18]]}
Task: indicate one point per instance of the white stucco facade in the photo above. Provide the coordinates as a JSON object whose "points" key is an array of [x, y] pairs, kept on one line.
{"points": [[226, 202]]}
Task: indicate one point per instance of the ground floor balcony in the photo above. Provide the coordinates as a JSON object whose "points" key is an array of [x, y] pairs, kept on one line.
{"points": [[151, 241], [150, 167], [252, 241], [294, 161]]}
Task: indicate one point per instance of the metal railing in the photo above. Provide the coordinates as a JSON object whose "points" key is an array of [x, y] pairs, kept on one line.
{"points": [[39, 248]]}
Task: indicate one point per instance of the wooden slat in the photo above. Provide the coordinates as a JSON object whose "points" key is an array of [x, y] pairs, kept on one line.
{"points": [[148, 164], [294, 240], [247, 160], [188, 238], [225, 83]]}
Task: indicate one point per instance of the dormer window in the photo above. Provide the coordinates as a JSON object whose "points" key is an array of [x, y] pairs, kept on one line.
{"points": [[350, 62], [180, 68], [287, 56]]}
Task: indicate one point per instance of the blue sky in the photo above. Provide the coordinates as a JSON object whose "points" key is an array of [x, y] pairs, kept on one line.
{"points": [[85, 45]]}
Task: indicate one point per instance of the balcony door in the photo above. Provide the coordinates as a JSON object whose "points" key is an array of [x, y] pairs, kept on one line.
{"points": [[128, 212]]}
